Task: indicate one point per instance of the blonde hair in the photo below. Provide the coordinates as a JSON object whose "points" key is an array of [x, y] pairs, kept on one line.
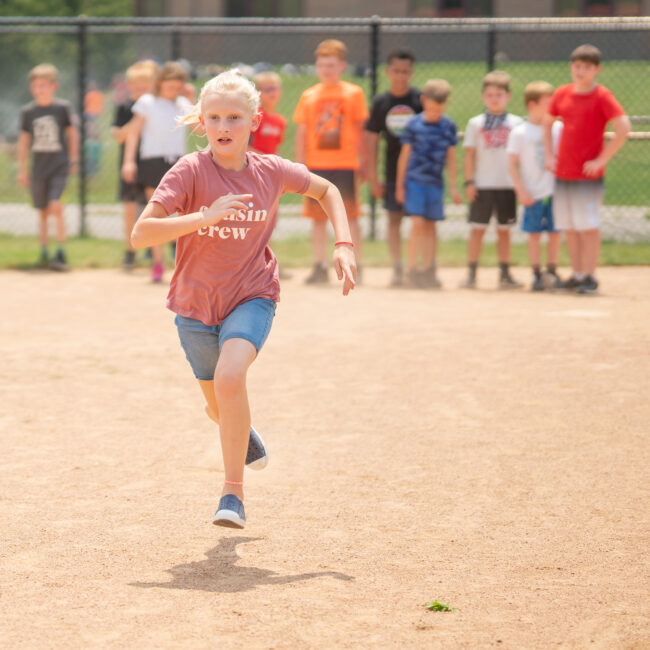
{"points": [[535, 90], [230, 81], [266, 77], [498, 79], [332, 47], [43, 71], [437, 90], [142, 71]]}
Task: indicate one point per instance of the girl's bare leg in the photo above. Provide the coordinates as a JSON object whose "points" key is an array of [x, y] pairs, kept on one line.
{"points": [[233, 409], [211, 408]]}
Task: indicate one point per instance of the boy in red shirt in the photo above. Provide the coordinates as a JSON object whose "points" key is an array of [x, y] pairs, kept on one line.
{"points": [[330, 118], [270, 132], [585, 108]]}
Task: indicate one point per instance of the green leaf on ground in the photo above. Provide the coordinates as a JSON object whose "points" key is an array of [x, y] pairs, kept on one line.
{"points": [[437, 606]]}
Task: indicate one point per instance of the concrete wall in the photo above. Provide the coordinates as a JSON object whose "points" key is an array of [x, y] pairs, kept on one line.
{"points": [[527, 9]]}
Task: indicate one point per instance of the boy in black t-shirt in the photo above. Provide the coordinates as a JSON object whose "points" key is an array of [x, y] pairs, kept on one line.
{"points": [[48, 129], [140, 79], [391, 112]]}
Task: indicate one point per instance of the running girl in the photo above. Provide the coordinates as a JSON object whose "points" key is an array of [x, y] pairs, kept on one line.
{"points": [[225, 286]]}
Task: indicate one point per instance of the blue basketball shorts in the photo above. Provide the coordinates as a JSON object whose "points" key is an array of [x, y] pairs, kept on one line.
{"points": [[424, 201], [539, 217]]}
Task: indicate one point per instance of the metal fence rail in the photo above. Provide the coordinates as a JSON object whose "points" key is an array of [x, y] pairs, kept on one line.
{"points": [[94, 52]]}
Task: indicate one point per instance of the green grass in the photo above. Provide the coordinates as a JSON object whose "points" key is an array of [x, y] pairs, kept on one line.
{"points": [[437, 606], [628, 177], [21, 252]]}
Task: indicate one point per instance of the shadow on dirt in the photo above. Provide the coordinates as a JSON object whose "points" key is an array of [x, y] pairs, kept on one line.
{"points": [[220, 573]]}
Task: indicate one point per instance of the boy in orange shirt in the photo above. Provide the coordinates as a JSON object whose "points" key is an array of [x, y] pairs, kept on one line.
{"points": [[330, 118]]}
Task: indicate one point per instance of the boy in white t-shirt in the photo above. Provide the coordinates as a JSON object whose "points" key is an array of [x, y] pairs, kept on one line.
{"points": [[488, 186], [534, 184]]}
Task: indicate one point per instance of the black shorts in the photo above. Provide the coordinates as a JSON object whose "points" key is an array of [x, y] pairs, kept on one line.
{"points": [[151, 171], [390, 202], [344, 179], [503, 202], [132, 193], [48, 188]]}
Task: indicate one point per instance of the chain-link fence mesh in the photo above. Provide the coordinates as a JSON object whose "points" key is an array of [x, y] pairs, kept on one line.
{"points": [[92, 55]]}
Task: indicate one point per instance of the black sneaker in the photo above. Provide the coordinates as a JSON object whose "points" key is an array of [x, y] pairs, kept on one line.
{"points": [[588, 286], [319, 275], [469, 282], [59, 263], [506, 281], [538, 283], [43, 259], [570, 284], [128, 263]]}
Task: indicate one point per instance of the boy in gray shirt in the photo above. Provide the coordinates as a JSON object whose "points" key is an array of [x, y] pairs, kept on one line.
{"points": [[48, 130]]}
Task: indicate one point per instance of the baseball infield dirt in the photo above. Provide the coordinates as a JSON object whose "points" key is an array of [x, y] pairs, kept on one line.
{"points": [[486, 449]]}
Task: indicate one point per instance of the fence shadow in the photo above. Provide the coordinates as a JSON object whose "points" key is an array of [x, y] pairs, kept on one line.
{"points": [[220, 573]]}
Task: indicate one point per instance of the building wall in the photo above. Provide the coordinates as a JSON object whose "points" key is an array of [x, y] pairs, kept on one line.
{"points": [[528, 9], [355, 8]]}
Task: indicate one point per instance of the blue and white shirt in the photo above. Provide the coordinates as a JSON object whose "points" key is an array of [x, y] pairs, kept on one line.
{"points": [[429, 143]]}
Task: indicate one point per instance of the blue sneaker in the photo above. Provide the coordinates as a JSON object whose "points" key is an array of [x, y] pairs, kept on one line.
{"points": [[230, 512], [256, 457]]}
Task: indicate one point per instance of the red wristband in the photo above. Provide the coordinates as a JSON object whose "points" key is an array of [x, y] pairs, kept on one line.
{"points": [[344, 243]]}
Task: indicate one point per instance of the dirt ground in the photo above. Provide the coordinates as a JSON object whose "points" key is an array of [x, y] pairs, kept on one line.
{"points": [[486, 449]]}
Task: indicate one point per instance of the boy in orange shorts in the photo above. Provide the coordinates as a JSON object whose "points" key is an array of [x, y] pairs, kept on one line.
{"points": [[330, 118]]}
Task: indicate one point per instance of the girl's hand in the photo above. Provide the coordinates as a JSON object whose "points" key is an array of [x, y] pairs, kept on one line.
{"points": [[129, 172], [225, 206], [345, 265]]}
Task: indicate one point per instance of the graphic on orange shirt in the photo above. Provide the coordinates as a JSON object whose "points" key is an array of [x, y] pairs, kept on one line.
{"points": [[329, 123]]}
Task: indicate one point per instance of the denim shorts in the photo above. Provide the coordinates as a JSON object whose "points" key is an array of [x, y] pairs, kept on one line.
{"points": [[538, 217], [202, 343], [424, 201]]}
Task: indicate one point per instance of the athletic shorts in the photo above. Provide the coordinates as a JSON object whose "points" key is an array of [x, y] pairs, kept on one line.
{"points": [[576, 204], [503, 202], [424, 201], [47, 189], [539, 216], [151, 171], [390, 202], [132, 193], [345, 180], [202, 343]]}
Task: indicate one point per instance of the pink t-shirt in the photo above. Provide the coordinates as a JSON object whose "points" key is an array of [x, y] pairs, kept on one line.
{"points": [[219, 267]]}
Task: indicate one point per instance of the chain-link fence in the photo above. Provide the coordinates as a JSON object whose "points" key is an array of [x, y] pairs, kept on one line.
{"points": [[92, 54]]}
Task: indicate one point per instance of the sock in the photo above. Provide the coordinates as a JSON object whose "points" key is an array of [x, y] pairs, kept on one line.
{"points": [[505, 269], [578, 275], [472, 269], [536, 270], [551, 268]]}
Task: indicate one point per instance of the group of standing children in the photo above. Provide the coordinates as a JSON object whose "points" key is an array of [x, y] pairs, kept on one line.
{"points": [[506, 158]]}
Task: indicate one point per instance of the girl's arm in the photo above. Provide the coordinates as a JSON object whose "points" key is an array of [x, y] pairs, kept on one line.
{"points": [[402, 165], [451, 174], [153, 228], [129, 166], [329, 197]]}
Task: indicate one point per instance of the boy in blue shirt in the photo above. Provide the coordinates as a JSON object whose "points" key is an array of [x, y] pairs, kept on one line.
{"points": [[427, 147]]}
